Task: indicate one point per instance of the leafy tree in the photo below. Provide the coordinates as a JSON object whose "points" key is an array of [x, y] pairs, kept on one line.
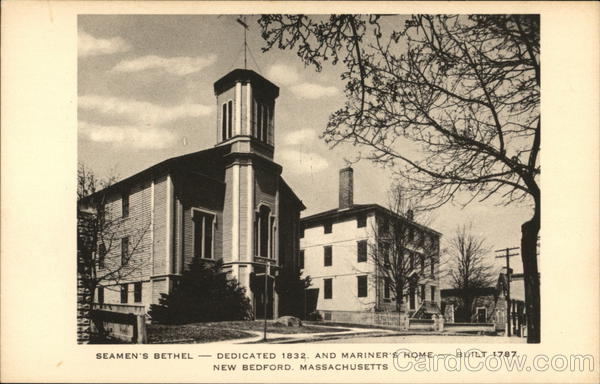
{"points": [[204, 293], [449, 102], [470, 270]]}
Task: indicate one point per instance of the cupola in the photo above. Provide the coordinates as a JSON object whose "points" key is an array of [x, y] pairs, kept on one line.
{"points": [[246, 107]]}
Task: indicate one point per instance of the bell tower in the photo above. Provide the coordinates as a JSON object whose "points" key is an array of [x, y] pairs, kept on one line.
{"points": [[245, 124], [246, 109]]}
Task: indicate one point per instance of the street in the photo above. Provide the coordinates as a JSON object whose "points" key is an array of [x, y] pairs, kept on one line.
{"points": [[432, 339]]}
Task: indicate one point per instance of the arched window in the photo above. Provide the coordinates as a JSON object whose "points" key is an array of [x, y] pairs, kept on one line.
{"points": [[227, 120], [263, 121], [264, 239], [203, 233]]}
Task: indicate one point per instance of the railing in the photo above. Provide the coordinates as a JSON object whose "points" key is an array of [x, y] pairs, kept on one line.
{"points": [[121, 308]]}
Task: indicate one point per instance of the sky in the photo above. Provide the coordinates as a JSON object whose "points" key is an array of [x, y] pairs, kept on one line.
{"points": [[145, 94]]}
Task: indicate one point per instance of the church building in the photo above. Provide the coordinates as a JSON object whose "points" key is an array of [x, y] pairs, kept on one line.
{"points": [[228, 203]]}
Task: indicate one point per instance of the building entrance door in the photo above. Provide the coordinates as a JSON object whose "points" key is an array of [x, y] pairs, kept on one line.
{"points": [[481, 315], [411, 298]]}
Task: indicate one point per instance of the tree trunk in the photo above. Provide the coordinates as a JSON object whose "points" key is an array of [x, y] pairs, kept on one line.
{"points": [[399, 299], [529, 236], [468, 303]]}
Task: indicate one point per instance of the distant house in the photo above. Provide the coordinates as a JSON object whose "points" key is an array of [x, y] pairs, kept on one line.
{"points": [[489, 304], [335, 251], [226, 203]]}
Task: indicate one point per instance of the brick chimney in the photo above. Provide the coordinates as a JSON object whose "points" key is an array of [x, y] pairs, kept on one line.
{"points": [[346, 187]]}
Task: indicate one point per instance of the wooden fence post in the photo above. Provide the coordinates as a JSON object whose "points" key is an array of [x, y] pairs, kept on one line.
{"points": [[141, 329]]}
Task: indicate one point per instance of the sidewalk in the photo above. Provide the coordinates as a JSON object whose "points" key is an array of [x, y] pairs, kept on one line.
{"points": [[281, 338]]}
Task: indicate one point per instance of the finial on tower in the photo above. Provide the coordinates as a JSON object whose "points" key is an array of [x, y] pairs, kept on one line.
{"points": [[242, 21]]}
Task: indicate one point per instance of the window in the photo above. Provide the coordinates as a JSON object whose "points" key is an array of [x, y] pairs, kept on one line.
{"points": [[100, 295], [263, 118], [432, 293], [327, 228], [327, 288], [227, 120], [124, 250], [224, 122], [411, 296], [125, 204], [384, 248], [124, 293], [265, 123], [361, 251], [271, 239], [264, 227], [412, 261], [137, 292], [423, 289], [362, 286], [328, 256], [203, 234], [386, 288], [422, 264], [411, 234], [432, 266], [361, 221], [384, 225], [420, 239], [301, 259], [101, 255]]}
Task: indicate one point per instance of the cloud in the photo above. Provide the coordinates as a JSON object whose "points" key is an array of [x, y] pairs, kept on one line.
{"points": [[299, 137], [289, 76], [312, 91], [130, 136], [88, 45], [179, 66], [302, 162], [283, 74], [141, 111]]}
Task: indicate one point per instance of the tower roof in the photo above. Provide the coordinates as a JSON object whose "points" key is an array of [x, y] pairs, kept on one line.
{"points": [[246, 75]]}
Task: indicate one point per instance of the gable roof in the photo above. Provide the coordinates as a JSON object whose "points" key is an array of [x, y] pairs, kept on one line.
{"points": [[208, 156]]}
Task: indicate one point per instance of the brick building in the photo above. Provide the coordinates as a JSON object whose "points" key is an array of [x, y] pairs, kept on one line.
{"points": [[336, 252], [228, 202]]}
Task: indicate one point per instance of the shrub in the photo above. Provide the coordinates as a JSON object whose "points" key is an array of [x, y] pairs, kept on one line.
{"points": [[204, 293], [291, 289]]}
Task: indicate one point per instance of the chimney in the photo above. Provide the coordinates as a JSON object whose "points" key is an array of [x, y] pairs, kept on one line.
{"points": [[410, 215], [346, 188]]}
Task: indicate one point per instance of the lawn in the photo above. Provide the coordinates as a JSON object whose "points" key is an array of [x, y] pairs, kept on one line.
{"points": [[224, 330], [191, 333], [273, 327]]}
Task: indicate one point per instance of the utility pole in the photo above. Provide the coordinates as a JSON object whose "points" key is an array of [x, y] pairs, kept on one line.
{"points": [[266, 296], [507, 255]]}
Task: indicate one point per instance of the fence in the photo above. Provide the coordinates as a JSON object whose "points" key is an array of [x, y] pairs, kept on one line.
{"points": [[470, 327], [121, 308], [126, 327], [401, 321], [398, 320]]}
